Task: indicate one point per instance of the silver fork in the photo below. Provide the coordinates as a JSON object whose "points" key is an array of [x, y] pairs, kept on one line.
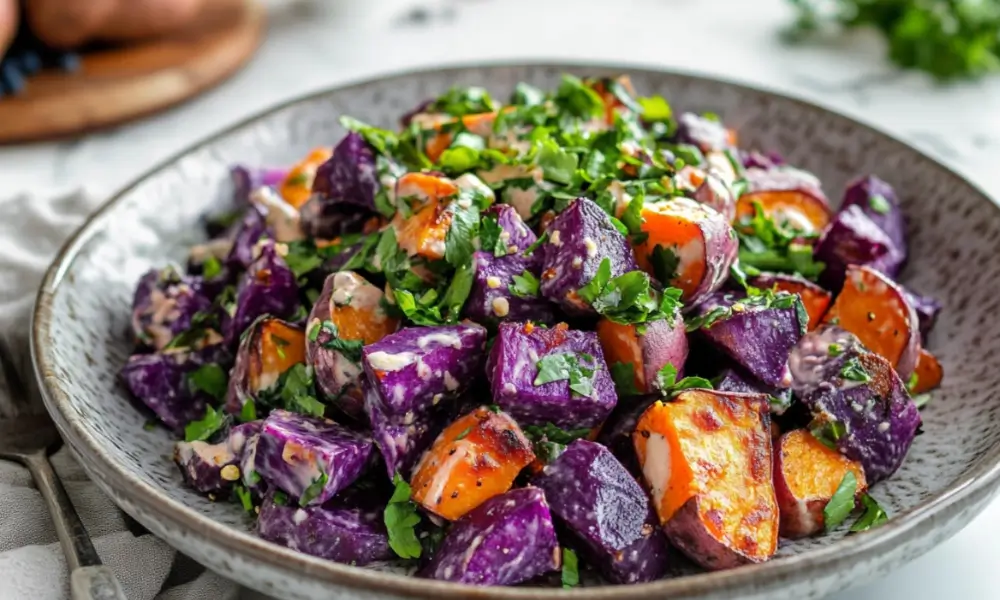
{"points": [[28, 440]]}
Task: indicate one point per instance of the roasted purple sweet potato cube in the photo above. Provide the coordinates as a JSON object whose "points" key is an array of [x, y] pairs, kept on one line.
{"points": [[159, 380], [854, 239], [267, 349], [761, 160], [497, 296], [267, 288], [927, 309], [213, 468], [413, 369], [350, 175], [707, 134], [758, 333], [879, 202], [246, 179], [402, 438], [515, 236], [607, 510], [251, 228], [715, 191], [506, 540], [857, 397], [732, 380], [345, 534], [348, 315], [322, 219], [309, 458], [616, 432], [164, 304], [579, 239], [556, 375]]}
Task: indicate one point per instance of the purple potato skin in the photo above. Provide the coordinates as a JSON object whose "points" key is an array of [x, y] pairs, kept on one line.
{"points": [[484, 299], [606, 508], [731, 380], [242, 387], [761, 160], [201, 463], [246, 179], [854, 239], [707, 134], [513, 367], [506, 540], [267, 288], [407, 369], [665, 342], [860, 193], [927, 309], [344, 534], [616, 432], [350, 175], [402, 438], [164, 304], [322, 219], [251, 228], [688, 534], [716, 193], [880, 418], [159, 381], [294, 450], [759, 339], [515, 234], [580, 238]]}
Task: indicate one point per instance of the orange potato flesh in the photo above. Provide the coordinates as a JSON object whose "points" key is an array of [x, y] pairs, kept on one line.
{"points": [[281, 348], [814, 298], [871, 307], [475, 458], [714, 448], [362, 318], [800, 210], [423, 232], [929, 373], [611, 103], [620, 343], [436, 146], [297, 185], [678, 231]]}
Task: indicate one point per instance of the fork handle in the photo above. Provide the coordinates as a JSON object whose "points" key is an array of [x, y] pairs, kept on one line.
{"points": [[89, 579]]}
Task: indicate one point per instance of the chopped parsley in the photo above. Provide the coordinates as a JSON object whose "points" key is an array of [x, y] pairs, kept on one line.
{"points": [[525, 285], [629, 298], [554, 434], [829, 433], [570, 569], [666, 381], [490, 238], [770, 246], [209, 378], [249, 411], [841, 504], [623, 374], [464, 433], [401, 518], [243, 495], [567, 366], [664, 262], [205, 427], [834, 350], [349, 349], [211, 268], [461, 101], [314, 490], [873, 516], [879, 204], [853, 370]]}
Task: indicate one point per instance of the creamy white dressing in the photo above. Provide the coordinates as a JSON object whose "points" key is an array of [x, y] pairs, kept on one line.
{"points": [[450, 383], [656, 468], [440, 339], [430, 120], [282, 217], [218, 248], [472, 183], [299, 516], [442, 474], [522, 200], [384, 361], [504, 172]]}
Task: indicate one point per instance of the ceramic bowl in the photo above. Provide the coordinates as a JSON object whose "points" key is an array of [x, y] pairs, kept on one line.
{"points": [[81, 317]]}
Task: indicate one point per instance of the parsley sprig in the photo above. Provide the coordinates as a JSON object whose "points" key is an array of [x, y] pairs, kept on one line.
{"points": [[401, 518]]}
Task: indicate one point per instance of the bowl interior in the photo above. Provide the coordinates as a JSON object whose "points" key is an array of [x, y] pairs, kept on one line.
{"points": [[81, 342]]}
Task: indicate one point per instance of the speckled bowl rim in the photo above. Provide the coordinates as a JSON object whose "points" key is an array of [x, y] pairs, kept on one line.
{"points": [[976, 484]]}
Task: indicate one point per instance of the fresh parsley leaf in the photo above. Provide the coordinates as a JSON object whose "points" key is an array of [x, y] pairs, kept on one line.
{"points": [[664, 262], [623, 374], [211, 268], [834, 350], [243, 495], [461, 101], [541, 240], [401, 518], [302, 258], [842, 503], [567, 366], [655, 109], [209, 378], [632, 216], [525, 285], [349, 349], [707, 319], [921, 400], [149, 425], [666, 381], [382, 140], [578, 99], [205, 427], [297, 393], [570, 569], [248, 412], [557, 164], [314, 490], [464, 433], [873, 516], [280, 498], [828, 433], [593, 289], [457, 292], [527, 95], [879, 204], [853, 370], [458, 244], [490, 239]]}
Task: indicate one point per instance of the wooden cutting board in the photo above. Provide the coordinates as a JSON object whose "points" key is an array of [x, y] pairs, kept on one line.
{"points": [[116, 85]]}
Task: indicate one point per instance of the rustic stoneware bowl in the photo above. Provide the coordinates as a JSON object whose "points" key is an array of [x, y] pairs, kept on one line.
{"points": [[81, 317]]}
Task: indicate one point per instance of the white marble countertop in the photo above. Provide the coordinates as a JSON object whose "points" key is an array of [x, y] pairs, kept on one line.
{"points": [[312, 45]]}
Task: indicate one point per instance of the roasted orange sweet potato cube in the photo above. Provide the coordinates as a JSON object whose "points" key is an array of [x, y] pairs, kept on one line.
{"points": [[874, 308], [423, 232], [815, 299], [281, 348], [706, 457], [475, 458], [296, 188], [356, 309], [804, 211], [929, 373], [806, 476]]}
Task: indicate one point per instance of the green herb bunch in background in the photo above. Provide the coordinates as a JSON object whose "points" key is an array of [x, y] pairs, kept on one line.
{"points": [[949, 39]]}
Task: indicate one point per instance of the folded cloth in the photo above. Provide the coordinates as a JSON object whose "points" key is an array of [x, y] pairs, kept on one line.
{"points": [[32, 566]]}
